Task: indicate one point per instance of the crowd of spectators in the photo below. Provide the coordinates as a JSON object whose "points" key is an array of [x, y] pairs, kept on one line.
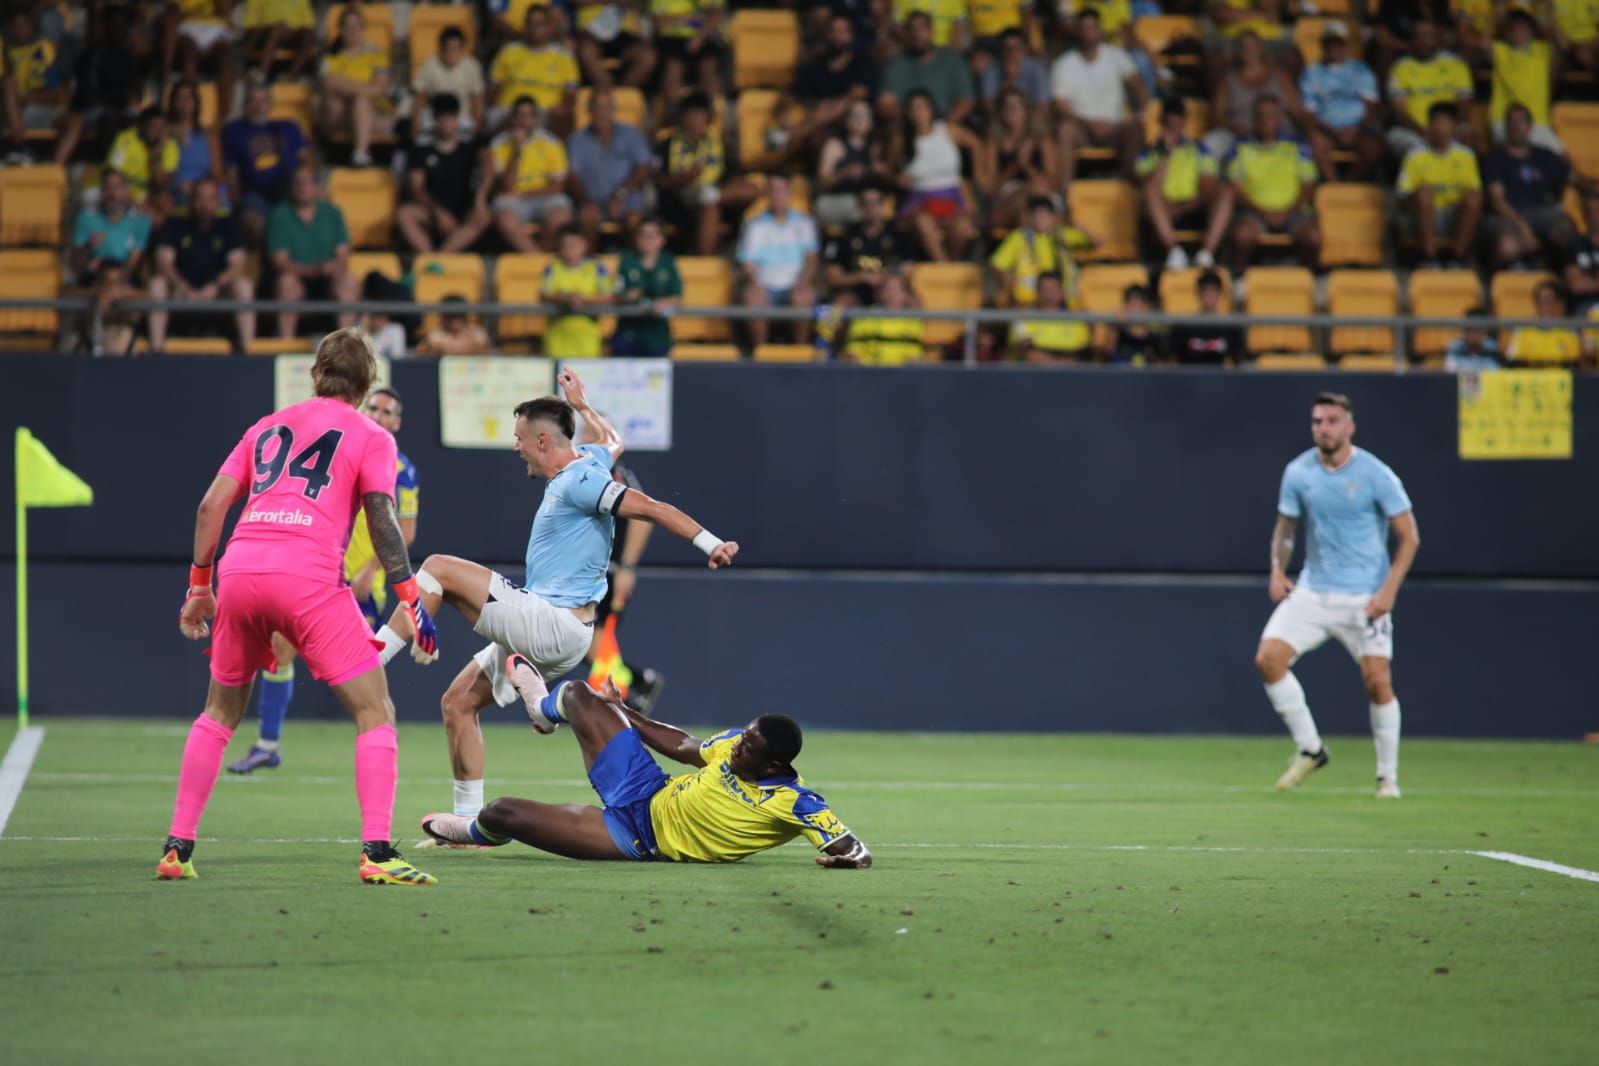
{"points": [[911, 132]]}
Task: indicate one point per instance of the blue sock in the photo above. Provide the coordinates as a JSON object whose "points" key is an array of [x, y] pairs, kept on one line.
{"points": [[482, 836], [550, 706], [276, 691]]}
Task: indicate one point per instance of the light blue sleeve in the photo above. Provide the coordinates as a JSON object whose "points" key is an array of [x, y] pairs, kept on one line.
{"points": [[1392, 499], [1288, 501], [1367, 83], [1307, 89]]}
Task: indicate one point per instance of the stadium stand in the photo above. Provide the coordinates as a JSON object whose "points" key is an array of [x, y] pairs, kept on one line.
{"points": [[1279, 291]]}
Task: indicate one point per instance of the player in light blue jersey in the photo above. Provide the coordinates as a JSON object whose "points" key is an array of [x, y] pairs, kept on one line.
{"points": [[547, 625], [1349, 502]]}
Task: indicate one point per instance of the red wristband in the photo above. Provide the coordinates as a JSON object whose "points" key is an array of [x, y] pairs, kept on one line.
{"points": [[406, 590], [199, 577]]}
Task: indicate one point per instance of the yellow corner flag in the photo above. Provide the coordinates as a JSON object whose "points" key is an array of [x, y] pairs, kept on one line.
{"points": [[41, 482]]}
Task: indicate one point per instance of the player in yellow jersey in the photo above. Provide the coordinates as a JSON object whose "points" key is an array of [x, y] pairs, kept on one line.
{"points": [[743, 797]]}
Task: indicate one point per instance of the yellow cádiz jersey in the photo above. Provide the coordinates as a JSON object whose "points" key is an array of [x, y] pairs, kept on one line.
{"points": [[1578, 20], [363, 65], [295, 14], [1114, 15], [1545, 347], [944, 13], [131, 156], [882, 340], [575, 336], [711, 815], [543, 161], [1419, 84], [544, 74], [990, 18], [1451, 174], [1030, 255], [407, 492], [1521, 76]]}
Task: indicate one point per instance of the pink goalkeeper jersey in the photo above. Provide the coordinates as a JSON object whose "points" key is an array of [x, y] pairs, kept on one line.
{"points": [[305, 470]]}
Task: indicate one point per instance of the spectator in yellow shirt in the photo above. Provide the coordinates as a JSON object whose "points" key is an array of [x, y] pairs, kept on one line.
{"points": [[273, 24], [1524, 73], [571, 281], [949, 19], [530, 171], [1425, 77], [538, 66], [1181, 188], [1044, 341], [1442, 190], [1042, 246], [147, 155], [355, 86], [1552, 346], [1576, 32], [1271, 183], [882, 339]]}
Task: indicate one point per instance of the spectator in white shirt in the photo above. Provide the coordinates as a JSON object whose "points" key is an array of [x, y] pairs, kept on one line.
{"points": [[1091, 87], [455, 71], [777, 255]]}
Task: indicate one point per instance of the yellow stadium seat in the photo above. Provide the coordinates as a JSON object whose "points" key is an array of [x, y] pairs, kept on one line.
{"points": [[1511, 293], [707, 282], [198, 346], [706, 353], [785, 353], [277, 346], [1295, 361], [1179, 290], [631, 110], [1441, 294], [1363, 293], [1353, 219], [292, 100], [1158, 32], [1370, 364], [799, 194], [366, 196], [440, 275], [30, 275], [754, 117], [766, 47], [1100, 288], [32, 200], [519, 279], [1106, 210], [385, 263], [1279, 291], [1577, 124], [947, 287], [379, 24], [1196, 123], [1308, 32], [428, 21]]}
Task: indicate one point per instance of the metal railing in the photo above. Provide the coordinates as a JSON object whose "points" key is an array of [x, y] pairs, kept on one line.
{"points": [[1402, 326]]}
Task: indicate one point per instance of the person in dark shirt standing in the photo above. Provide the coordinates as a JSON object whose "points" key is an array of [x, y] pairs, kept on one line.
{"points": [[826, 85], [1526, 183], [1199, 344], [446, 206], [647, 275], [869, 251], [199, 258]]}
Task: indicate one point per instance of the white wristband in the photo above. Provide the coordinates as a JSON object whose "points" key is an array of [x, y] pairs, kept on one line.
{"points": [[706, 541]]}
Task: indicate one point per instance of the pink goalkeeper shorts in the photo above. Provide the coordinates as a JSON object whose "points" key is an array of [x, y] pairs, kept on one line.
{"points": [[322, 621]]}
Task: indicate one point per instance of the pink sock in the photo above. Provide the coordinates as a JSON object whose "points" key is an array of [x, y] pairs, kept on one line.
{"points": [[202, 761], [377, 769]]}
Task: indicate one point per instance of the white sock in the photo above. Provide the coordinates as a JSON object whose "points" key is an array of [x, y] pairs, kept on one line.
{"points": [[1289, 699], [392, 644], [266, 745], [1385, 735], [468, 798]]}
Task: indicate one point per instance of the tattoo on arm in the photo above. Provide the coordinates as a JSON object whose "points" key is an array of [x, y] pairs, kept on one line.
{"points": [[387, 540], [1282, 543]]}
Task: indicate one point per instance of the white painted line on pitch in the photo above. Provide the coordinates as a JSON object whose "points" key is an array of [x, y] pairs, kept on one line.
{"points": [[14, 770], [1574, 872]]}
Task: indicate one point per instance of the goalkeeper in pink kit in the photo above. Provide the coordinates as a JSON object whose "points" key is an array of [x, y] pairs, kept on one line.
{"points": [[302, 473]]}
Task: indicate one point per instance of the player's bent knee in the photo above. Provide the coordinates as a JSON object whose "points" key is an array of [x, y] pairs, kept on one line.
{"points": [[497, 815]]}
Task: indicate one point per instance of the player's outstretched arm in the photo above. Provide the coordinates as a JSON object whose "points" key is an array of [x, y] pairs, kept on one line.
{"points": [[596, 430], [845, 853], [388, 542], [200, 606], [635, 504]]}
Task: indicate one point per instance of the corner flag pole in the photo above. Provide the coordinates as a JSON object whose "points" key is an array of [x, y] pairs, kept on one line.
{"points": [[22, 587]]}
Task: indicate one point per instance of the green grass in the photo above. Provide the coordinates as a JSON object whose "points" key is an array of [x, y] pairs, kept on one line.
{"points": [[1006, 921]]}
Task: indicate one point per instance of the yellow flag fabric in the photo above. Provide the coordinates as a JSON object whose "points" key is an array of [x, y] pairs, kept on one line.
{"points": [[41, 479]]}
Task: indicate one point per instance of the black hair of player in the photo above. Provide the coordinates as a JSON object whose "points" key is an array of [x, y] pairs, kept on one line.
{"points": [[549, 409], [387, 390], [782, 737], [1335, 399]]}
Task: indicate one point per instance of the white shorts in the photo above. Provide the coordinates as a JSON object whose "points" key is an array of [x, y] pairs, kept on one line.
{"points": [[206, 35], [520, 621], [1307, 618]]}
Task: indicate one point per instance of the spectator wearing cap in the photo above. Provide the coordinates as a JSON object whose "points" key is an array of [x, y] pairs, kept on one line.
{"points": [[530, 180], [260, 155], [1339, 107], [1182, 188], [611, 164], [1271, 183], [1441, 189], [447, 205], [923, 67], [199, 257], [274, 25], [1092, 85], [455, 334], [1206, 343], [309, 245], [355, 86], [1526, 186], [454, 72]]}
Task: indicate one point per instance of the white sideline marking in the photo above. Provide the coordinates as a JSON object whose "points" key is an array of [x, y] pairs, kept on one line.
{"points": [[1539, 864], [862, 786], [14, 770]]}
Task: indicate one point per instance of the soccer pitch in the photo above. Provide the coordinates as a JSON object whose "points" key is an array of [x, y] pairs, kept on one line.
{"points": [[1037, 899]]}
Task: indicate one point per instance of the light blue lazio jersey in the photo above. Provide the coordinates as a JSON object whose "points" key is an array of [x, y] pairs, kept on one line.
{"points": [[570, 545], [1345, 513]]}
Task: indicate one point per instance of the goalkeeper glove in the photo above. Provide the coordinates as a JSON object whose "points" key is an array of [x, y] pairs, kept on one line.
{"points": [[425, 639]]}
